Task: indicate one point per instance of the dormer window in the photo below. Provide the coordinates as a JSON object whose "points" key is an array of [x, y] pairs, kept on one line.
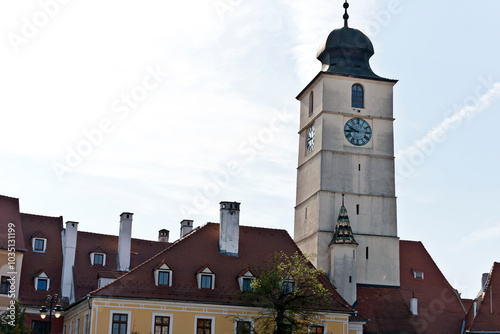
{"points": [[288, 285], [98, 259], [206, 278], [358, 98], [245, 279], [42, 281], [39, 244], [418, 274], [163, 274]]}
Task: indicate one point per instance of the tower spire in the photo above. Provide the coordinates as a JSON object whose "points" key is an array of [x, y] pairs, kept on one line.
{"points": [[343, 232], [346, 16]]}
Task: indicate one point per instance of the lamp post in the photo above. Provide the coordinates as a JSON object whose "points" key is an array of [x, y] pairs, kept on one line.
{"points": [[52, 303]]}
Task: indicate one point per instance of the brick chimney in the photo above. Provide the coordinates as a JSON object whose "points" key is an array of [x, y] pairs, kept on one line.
{"points": [[229, 233], [186, 227], [163, 235], [124, 240]]}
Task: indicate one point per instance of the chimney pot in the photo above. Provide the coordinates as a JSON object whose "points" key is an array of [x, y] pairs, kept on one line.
{"points": [[186, 226], [163, 235], [484, 280]]}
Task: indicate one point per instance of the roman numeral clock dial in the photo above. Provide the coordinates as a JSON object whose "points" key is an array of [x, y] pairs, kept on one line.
{"points": [[357, 131]]}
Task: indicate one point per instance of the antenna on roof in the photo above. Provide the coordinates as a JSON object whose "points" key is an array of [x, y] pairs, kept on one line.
{"points": [[346, 16]]}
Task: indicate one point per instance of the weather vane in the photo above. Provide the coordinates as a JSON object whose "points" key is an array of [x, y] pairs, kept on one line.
{"points": [[346, 16]]}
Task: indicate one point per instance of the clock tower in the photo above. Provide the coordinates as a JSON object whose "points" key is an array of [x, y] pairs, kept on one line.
{"points": [[346, 165]]}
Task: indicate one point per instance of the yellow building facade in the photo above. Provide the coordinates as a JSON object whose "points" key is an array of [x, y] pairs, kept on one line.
{"points": [[98, 315]]}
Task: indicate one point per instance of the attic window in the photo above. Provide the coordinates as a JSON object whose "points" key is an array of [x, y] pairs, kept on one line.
{"points": [[205, 278], [418, 274], [39, 244], [163, 275], [245, 280], [42, 281], [288, 285], [98, 259]]}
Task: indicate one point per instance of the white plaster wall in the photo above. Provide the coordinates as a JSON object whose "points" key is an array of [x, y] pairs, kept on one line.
{"points": [[343, 266], [382, 265]]}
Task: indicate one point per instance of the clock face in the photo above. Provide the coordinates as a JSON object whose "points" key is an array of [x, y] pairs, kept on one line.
{"points": [[310, 139], [357, 131]]}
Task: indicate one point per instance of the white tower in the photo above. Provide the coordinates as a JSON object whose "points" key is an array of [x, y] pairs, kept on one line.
{"points": [[346, 146]]}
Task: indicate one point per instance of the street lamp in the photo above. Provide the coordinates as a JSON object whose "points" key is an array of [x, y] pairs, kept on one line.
{"points": [[52, 303]]}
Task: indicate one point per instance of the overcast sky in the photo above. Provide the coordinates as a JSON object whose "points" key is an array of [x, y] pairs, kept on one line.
{"points": [[165, 108]]}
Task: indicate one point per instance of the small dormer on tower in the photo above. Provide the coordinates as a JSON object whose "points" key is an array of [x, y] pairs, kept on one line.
{"points": [[343, 257], [229, 233]]}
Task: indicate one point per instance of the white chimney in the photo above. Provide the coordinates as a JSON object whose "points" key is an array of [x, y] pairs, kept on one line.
{"points": [[163, 235], [484, 280], [186, 227], [229, 234], [124, 240], [414, 306], [68, 237]]}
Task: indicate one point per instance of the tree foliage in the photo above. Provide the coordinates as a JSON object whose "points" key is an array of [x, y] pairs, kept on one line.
{"points": [[290, 294], [13, 320]]}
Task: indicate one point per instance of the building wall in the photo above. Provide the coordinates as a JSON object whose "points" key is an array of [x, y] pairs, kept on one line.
{"points": [[183, 316], [5, 271]]}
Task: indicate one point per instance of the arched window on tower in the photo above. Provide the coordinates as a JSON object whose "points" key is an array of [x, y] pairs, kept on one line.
{"points": [[311, 103], [358, 98]]}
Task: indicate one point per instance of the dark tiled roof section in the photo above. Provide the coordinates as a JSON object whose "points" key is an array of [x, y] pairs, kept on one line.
{"points": [[86, 276], [9, 213], [440, 309], [199, 248], [34, 262], [386, 308], [488, 311]]}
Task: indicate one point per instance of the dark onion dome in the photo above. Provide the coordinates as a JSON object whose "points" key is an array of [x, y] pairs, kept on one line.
{"points": [[347, 51]]}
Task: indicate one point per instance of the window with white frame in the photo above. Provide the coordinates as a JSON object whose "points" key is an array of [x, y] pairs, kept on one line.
{"points": [[204, 324], [243, 326], [245, 280], [163, 275], [42, 281], [418, 274], [98, 259], [39, 244], [120, 322], [162, 323], [206, 278]]}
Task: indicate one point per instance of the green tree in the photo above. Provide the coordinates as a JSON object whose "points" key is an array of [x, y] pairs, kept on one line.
{"points": [[290, 293], [13, 320]]}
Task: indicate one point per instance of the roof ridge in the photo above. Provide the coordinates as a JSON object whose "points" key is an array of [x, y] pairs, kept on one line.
{"points": [[40, 216], [117, 236]]}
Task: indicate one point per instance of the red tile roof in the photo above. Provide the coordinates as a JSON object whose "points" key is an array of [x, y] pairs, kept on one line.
{"points": [[86, 276], [34, 262], [9, 213], [198, 249], [488, 308], [440, 309]]}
